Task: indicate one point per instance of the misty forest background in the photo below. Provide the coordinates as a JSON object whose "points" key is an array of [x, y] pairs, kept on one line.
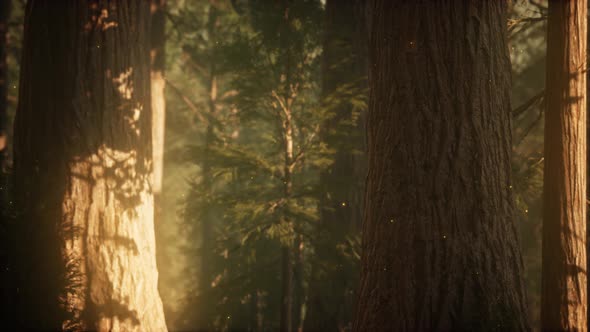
{"points": [[231, 68]]}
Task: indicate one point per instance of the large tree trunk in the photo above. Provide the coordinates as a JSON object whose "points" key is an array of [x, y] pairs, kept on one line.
{"points": [[440, 249], [334, 275], [83, 168], [587, 171], [564, 293], [6, 271]]}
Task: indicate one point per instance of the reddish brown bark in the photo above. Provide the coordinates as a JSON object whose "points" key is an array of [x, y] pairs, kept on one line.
{"points": [[83, 168], [440, 249], [564, 292]]}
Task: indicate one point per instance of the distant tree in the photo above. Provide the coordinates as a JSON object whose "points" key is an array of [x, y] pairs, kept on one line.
{"points": [[6, 271], [5, 8], [286, 46], [564, 292], [158, 83], [263, 159], [440, 249], [334, 275], [205, 66], [82, 168], [212, 117]]}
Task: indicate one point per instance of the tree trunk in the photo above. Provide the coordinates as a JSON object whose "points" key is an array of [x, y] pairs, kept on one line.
{"points": [[158, 103], [286, 319], [287, 127], [298, 283], [158, 83], [564, 293], [83, 164], [210, 216], [6, 271], [440, 248], [5, 8], [587, 171], [286, 289], [334, 276]]}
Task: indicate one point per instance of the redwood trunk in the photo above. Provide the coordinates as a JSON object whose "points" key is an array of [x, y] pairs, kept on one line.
{"points": [[83, 165], [564, 292], [440, 249]]}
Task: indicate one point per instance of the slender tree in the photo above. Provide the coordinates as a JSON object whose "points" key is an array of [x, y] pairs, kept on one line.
{"points": [[82, 168], [5, 8], [265, 180], [344, 71], [6, 291], [564, 293], [158, 83], [207, 229], [440, 249]]}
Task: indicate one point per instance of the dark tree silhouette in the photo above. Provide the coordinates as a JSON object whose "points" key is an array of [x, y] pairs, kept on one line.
{"points": [[344, 70], [5, 9]]}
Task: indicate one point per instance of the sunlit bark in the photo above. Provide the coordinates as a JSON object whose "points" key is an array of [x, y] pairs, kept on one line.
{"points": [[158, 83], [83, 163], [564, 292]]}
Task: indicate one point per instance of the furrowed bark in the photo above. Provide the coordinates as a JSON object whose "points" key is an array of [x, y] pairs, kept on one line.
{"points": [[564, 279], [83, 167], [440, 249]]}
